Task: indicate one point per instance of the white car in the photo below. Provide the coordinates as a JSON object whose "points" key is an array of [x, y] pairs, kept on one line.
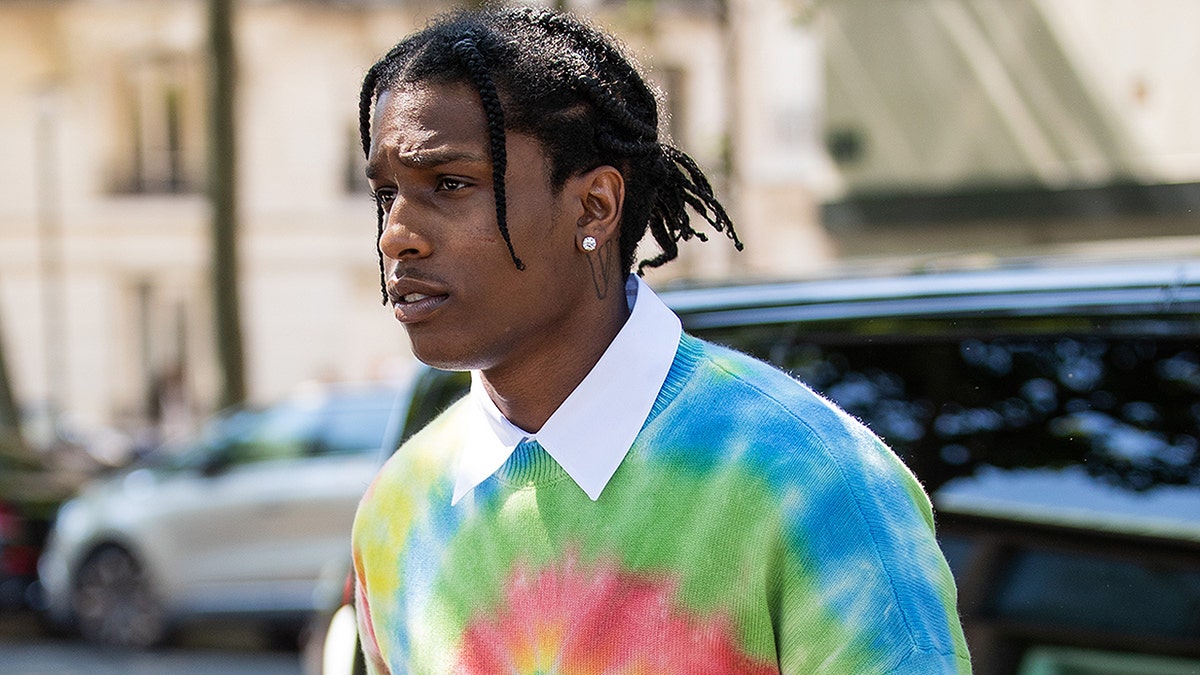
{"points": [[247, 519]]}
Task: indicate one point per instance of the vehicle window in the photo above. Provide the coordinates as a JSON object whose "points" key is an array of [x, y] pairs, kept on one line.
{"points": [[1080, 590], [228, 429], [354, 424], [1127, 409], [284, 432], [435, 391]]}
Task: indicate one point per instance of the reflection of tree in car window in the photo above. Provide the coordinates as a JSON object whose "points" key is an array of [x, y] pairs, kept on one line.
{"points": [[284, 432], [223, 431], [1126, 409]]}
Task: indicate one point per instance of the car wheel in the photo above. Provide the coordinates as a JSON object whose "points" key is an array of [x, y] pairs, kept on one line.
{"points": [[114, 603]]}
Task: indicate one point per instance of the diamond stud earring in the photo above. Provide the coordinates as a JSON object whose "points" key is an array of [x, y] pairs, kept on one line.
{"points": [[589, 243]]}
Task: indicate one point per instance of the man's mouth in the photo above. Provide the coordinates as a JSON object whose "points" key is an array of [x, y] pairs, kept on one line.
{"points": [[413, 308], [414, 299]]}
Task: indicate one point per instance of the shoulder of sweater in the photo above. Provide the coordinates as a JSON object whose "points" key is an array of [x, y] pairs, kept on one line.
{"points": [[775, 397], [789, 432]]}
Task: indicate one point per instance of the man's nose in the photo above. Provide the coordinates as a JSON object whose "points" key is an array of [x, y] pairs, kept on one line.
{"points": [[401, 239]]}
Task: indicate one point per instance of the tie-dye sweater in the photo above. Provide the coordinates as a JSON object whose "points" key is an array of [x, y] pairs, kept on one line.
{"points": [[752, 528]]}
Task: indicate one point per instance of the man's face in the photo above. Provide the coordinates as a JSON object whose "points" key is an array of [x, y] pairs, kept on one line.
{"points": [[448, 271]]}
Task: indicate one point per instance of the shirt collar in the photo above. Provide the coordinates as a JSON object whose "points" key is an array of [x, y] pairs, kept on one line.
{"points": [[588, 445]]}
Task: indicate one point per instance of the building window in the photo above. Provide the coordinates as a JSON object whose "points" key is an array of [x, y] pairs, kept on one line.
{"points": [[162, 111]]}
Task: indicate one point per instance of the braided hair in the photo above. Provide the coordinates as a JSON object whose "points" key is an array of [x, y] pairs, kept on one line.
{"points": [[552, 77]]}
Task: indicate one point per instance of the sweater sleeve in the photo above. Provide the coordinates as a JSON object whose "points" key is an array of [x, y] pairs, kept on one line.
{"points": [[856, 582], [863, 586], [922, 663], [372, 657]]}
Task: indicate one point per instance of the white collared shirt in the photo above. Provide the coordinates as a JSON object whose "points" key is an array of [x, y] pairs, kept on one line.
{"points": [[591, 432]]}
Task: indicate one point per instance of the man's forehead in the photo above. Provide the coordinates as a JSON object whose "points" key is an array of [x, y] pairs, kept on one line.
{"points": [[428, 105], [427, 123]]}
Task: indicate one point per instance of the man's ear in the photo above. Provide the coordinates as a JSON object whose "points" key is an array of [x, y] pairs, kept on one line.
{"points": [[601, 193]]}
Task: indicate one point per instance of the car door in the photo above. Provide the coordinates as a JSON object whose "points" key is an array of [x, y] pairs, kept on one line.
{"points": [[223, 515], [313, 523]]}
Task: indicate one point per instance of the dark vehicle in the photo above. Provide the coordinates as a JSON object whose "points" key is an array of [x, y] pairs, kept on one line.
{"points": [[20, 545], [1054, 417], [1053, 414], [30, 493]]}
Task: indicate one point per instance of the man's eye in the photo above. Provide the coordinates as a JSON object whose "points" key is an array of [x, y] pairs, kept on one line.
{"points": [[383, 197], [450, 184]]}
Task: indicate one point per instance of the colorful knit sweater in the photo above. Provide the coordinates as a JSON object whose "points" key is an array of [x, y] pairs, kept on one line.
{"points": [[752, 528]]}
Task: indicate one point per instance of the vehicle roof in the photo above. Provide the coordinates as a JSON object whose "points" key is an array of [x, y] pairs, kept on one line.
{"points": [[1167, 286]]}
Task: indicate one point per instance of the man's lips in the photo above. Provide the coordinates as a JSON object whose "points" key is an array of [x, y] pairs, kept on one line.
{"points": [[417, 307], [415, 300]]}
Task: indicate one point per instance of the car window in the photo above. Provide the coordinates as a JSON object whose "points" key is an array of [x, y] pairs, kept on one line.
{"points": [[226, 429], [354, 424], [1127, 408], [284, 432], [435, 391]]}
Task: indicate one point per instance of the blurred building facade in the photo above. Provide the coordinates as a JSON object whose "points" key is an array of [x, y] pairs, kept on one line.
{"points": [[105, 223], [1011, 127], [834, 130]]}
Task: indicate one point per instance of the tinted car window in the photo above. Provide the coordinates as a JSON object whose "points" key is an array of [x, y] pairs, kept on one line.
{"points": [[346, 423], [284, 432], [435, 391], [1126, 407], [218, 434], [1099, 593]]}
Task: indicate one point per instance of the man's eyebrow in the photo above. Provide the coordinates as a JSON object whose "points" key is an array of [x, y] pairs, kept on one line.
{"points": [[426, 159]]}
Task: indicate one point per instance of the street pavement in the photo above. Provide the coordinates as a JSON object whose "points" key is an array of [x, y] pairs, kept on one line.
{"points": [[224, 650]]}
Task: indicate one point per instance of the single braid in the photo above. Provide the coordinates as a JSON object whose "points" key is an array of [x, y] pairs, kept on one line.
{"points": [[379, 251], [365, 98], [616, 109], [371, 82], [468, 50]]}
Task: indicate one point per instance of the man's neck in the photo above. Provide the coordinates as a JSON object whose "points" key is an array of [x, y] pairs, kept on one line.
{"points": [[527, 391]]}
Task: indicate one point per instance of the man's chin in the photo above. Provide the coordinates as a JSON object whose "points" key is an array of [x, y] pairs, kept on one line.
{"points": [[441, 357]]}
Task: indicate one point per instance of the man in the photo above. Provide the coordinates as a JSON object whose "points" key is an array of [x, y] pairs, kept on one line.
{"points": [[612, 496]]}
